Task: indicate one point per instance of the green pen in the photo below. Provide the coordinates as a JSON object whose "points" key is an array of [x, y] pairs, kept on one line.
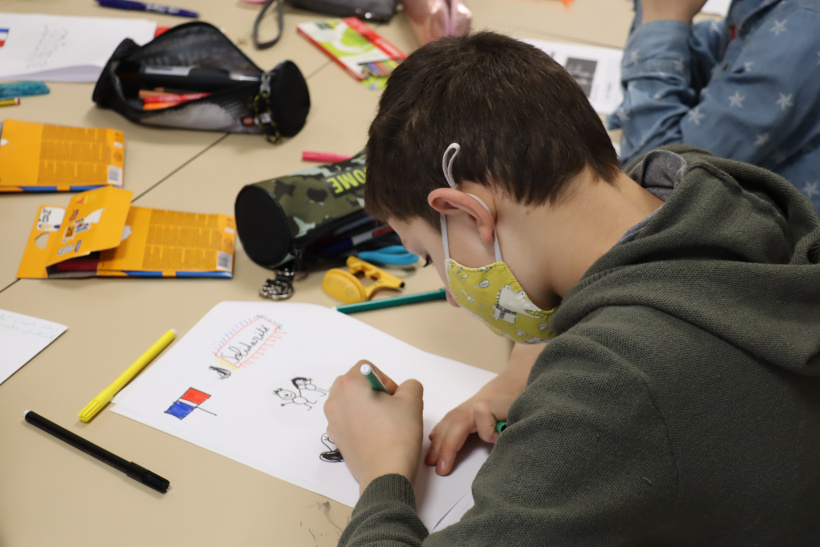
{"points": [[373, 378], [500, 426], [439, 294]]}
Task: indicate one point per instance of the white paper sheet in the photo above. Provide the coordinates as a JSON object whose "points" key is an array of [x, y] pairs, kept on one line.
{"points": [[245, 360], [717, 7], [60, 48], [596, 69], [22, 337]]}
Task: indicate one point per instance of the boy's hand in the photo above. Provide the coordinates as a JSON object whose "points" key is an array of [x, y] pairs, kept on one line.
{"points": [[680, 10], [376, 433], [480, 413]]}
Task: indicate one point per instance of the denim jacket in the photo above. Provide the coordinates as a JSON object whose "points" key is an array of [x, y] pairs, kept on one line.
{"points": [[745, 88]]}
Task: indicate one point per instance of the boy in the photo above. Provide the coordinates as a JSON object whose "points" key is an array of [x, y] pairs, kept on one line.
{"points": [[678, 402], [745, 88]]}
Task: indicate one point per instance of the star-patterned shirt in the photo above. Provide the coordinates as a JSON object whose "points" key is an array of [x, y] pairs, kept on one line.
{"points": [[745, 88]]}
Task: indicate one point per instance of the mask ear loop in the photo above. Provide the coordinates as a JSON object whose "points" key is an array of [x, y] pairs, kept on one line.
{"points": [[447, 166]]}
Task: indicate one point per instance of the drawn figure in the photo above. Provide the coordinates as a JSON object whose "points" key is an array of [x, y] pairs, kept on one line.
{"points": [[307, 384], [292, 397], [508, 301], [222, 372], [332, 454]]}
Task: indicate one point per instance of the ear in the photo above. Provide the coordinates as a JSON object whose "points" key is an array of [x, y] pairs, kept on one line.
{"points": [[449, 201]]}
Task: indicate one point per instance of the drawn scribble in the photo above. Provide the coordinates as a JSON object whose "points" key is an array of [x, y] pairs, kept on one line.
{"points": [[222, 372], [292, 397], [187, 403], [245, 343], [302, 383], [296, 397], [332, 454]]}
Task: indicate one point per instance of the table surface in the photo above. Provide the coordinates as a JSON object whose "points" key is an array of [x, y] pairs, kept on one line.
{"points": [[51, 494]]}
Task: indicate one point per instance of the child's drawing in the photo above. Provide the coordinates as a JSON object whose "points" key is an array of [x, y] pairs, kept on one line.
{"points": [[247, 342], [190, 401], [292, 397], [332, 454], [222, 372], [301, 384]]}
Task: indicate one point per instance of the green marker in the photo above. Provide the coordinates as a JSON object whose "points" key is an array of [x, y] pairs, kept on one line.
{"points": [[375, 381], [500, 426], [438, 294]]}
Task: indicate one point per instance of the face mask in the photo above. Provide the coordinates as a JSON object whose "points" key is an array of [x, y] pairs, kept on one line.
{"points": [[492, 293]]}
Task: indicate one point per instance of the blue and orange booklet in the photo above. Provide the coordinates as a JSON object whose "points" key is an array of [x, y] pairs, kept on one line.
{"points": [[100, 234], [38, 157]]}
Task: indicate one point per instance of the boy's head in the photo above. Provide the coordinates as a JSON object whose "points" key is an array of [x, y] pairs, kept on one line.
{"points": [[524, 125]]}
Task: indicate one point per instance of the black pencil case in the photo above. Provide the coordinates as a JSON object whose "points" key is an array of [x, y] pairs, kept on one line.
{"points": [[289, 218], [223, 90]]}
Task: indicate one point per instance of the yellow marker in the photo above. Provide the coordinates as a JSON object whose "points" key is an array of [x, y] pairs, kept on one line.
{"points": [[10, 102], [105, 396]]}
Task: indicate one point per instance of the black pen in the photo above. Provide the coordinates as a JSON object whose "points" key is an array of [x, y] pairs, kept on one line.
{"points": [[131, 469]]}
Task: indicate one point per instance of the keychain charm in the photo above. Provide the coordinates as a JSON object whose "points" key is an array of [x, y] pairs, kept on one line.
{"points": [[280, 287]]}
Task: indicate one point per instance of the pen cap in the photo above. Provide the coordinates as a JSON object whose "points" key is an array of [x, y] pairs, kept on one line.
{"points": [[279, 218]]}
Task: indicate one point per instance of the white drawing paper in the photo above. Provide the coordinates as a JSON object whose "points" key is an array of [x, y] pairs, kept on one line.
{"points": [[250, 379], [60, 48], [22, 337], [596, 69], [717, 7]]}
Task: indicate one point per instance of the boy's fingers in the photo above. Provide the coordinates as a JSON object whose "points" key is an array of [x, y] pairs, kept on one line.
{"points": [[485, 425]]}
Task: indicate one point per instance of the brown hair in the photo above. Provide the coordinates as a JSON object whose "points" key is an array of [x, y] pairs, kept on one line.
{"points": [[524, 125]]}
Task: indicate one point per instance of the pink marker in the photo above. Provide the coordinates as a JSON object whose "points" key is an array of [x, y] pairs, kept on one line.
{"points": [[324, 157]]}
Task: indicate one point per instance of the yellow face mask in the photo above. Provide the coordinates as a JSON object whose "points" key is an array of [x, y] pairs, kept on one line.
{"points": [[492, 293]]}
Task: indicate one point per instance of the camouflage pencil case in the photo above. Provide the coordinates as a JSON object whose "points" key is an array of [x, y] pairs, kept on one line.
{"points": [[193, 77], [287, 218]]}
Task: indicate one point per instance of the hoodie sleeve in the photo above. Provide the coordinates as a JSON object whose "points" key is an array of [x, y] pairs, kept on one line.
{"points": [[585, 460]]}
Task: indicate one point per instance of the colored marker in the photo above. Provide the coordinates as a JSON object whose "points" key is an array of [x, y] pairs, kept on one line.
{"points": [[500, 426], [173, 97], [324, 157], [10, 102], [352, 241], [131, 469], [439, 294], [105, 396], [141, 6], [373, 378]]}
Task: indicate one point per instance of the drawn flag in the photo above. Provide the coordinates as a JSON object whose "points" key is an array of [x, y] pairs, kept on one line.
{"points": [[186, 404]]}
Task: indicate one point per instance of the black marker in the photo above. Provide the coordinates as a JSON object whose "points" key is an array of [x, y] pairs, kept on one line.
{"points": [[131, 469], [195, 78]]}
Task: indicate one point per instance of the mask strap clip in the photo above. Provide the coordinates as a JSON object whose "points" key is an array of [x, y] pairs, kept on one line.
{"points": [[447, 166]]}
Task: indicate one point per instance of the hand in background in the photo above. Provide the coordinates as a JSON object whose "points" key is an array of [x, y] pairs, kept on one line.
{"points": [[480, 413], [376, 433], [680, 10]]}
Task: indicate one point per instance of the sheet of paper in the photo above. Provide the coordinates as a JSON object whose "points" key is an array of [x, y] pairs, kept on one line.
{"points": [[250, 379], [22, 337], [717, 7], [596, 69], [59, 48]]}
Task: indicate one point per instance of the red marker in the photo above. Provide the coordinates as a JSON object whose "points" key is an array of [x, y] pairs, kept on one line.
{"points": [[324, 157]]}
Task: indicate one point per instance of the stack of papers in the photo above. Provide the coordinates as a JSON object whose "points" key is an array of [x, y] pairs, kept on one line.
{"points": [[64, 49]]}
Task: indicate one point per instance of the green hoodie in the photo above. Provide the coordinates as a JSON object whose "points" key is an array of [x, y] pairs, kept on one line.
{"points": [[680, 403]]}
